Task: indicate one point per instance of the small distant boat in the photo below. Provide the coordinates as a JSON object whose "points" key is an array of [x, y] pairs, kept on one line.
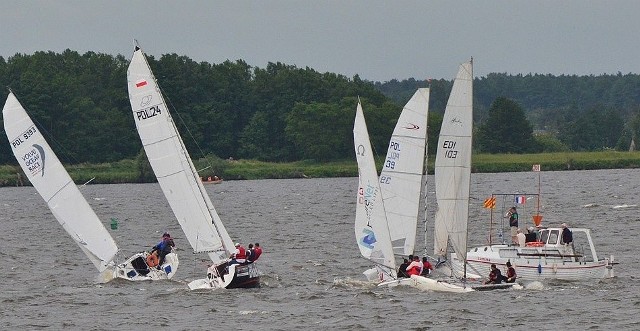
{"points": [[211, 180], [52, 181], [180, 182]]}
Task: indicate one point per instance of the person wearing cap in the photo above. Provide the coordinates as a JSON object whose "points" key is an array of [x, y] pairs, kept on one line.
{"points": [[164, 247], [511, 274], [239, 256], [512, 214], [567, 236]]}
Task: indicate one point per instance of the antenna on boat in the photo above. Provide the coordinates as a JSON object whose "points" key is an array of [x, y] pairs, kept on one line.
{"points": [[136, 45]]}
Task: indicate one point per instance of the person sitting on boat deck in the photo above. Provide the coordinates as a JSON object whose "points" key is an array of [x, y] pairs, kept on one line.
{"points": [[522, 239], [495, 276], [250, 254], [531, 235], [415, 267], [426, 267], [257, 251], [163, 248], [402, 270], [239, 256], [511, 274], [567, 236], [512, 214]]}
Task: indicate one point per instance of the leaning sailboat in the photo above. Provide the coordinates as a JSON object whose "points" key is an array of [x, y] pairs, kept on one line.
{"points": [[49, 177], [180, 182]]}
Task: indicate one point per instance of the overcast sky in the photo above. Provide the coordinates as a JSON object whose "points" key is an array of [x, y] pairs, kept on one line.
{"points": [[378, 40]]}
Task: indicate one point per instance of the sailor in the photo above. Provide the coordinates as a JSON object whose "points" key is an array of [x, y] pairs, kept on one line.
{"points": [[426, 267], [495, 276], [239, 256], [415, 267], [250, 254], [402, 270], [164, 247], [257, 251], [511, 274]]}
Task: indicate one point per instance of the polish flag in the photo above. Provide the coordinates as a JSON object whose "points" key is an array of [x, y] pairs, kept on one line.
{"points": [[141, 83]]}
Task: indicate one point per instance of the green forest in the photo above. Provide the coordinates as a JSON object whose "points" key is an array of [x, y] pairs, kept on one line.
{"points": [[283, 113]]}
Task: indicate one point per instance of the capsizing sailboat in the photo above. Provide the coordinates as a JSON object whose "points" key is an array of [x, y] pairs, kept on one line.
{"points": [[51, 180], [180, 182]]}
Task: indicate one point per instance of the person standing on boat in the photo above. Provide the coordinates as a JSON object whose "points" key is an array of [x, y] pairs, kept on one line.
{"points": [[257, 251], [511, 274], [521, 238], [512, 214], [567, 235], [495, 276], [239, 256], [164, 247]]}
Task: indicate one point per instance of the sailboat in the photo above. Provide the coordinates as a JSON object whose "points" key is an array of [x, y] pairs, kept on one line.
{"points": [[180, 182], [546, 258], [387, 206], [48, 176]]}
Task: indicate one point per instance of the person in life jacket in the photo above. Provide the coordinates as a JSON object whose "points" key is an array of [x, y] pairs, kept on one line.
{"points": [[426, 267], [257, 251], [239, 256], [164, 247], [415, 267]]}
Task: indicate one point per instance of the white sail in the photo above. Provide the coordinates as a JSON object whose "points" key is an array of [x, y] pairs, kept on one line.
{"points": [[371, 229], [56, 187], [401, 177], [172, 164], [453, 166]]}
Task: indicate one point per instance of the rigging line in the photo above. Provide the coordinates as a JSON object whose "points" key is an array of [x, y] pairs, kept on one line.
{"points": [[51, 139], [175, 111]]}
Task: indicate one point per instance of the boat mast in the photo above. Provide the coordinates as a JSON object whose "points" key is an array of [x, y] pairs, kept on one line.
{"points": [[425, 174]]}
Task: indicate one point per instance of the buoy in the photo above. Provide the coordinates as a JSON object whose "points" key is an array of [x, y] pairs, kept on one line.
{"points": [[114, 224]]}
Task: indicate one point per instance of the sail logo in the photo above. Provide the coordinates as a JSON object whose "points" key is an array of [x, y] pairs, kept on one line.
{"points": [[368, 238], [146, 100], [148, 112], [141, 83], [34, 160], [411, 126]]}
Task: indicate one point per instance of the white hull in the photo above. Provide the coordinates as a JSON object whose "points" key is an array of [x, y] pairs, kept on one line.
{"points": [[428, 284], [243, 276], [135, 268], [531, 268]]}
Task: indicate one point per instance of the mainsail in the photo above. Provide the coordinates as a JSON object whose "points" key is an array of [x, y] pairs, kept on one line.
{"points": [[56, 187], [453, 167], [371, 229], [172, 164], [401, 178]]}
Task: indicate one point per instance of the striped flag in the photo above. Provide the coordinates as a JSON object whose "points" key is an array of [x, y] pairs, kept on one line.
{"points": [[521, 199], [490, 203]]}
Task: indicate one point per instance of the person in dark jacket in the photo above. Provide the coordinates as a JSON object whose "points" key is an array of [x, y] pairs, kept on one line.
{"points": [[164, 247]]}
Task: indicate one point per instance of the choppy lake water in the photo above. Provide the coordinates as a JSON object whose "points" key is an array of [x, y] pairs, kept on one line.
{"points": [[311, 262]]}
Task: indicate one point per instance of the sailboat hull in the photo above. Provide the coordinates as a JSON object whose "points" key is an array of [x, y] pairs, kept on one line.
{"points": [[135, 268], [244, 276]]}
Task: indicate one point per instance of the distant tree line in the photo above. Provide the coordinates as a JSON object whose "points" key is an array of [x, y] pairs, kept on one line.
{"points": [[285, 113]]}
